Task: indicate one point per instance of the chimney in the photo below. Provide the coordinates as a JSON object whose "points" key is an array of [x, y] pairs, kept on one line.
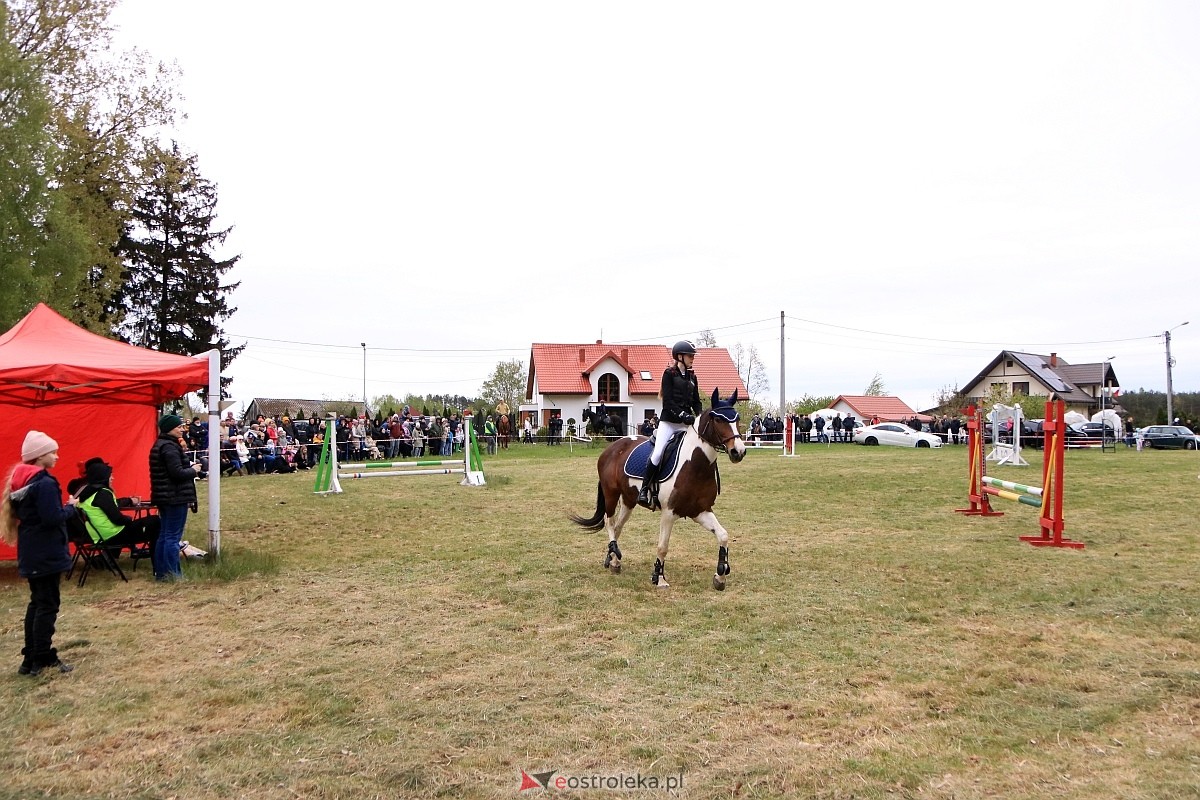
{"points": [[1054, 361], [625, 354], [599, 341], [582, 356]]}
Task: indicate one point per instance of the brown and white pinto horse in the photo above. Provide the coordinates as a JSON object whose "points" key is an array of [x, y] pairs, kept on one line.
{"points": [[688, 493]]}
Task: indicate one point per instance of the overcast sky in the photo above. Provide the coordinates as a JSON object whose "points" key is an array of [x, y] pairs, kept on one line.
{"points": [[916, 186]]}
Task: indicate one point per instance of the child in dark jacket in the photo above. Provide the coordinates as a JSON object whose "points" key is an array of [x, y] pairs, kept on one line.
{"points": [[34, 515]]}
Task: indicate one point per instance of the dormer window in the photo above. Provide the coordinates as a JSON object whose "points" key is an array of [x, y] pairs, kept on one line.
{"points": [[608, 388]]}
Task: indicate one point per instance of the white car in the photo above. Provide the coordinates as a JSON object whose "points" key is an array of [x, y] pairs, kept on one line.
{"points": [[895, 433]]}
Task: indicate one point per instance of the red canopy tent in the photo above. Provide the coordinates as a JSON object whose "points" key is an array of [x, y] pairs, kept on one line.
{"points": [[94, 396]]}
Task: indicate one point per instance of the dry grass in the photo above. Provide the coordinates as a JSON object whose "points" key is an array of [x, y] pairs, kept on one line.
{"points": [[415, 638]]}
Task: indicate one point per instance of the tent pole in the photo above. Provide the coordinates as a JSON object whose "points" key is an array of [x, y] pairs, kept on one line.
{"points": [[214, 452]]}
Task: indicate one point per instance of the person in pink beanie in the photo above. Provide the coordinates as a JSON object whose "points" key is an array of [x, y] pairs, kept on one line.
{"points": [[34, 517]]}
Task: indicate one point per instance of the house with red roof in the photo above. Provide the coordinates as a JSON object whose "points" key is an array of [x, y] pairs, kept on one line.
{"points": [[565, 379], [866, 407]]}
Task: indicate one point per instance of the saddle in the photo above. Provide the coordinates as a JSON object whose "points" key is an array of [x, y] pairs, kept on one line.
{"points": [[639, 457]]}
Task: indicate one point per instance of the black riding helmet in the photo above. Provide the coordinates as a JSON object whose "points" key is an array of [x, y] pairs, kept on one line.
{"points": [[683, 348]]}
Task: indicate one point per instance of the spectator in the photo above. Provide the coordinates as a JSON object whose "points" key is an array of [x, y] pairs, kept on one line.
{"points": [[489, 435], [848, 428], [105, 522], [835, 427], [418, 439], [395, 434], [819, 424], [34, 518], [435, 434], [173, 492], [241, 455]]}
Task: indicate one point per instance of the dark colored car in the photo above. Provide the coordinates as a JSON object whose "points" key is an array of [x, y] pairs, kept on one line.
{"points": [[1095, 430], [1031, 434], [1169, 437]]}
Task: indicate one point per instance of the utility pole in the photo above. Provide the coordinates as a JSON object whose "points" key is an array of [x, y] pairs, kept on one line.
{"points": [[364, 347], [782, 371], [1170, 363]]}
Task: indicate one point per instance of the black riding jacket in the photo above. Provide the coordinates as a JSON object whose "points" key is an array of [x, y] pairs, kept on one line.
{"points": [[680, 394]]}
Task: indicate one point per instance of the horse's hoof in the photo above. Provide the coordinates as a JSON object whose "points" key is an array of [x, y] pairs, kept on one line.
{"points": [[718, 583], [616, 569]]}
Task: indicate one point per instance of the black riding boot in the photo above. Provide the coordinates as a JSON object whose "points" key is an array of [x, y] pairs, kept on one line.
{"points": [[647, 496]]}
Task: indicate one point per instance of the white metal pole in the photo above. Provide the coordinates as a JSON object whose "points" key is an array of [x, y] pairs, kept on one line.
{"points": [[214, 452]]}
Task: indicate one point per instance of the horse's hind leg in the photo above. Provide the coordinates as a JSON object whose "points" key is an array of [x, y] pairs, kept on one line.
{"points": [[708, 520], [614, 524]]}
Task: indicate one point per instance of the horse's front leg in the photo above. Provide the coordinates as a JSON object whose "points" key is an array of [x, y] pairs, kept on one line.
{"points": [[708, 520], [614, 524], [666, 522]]}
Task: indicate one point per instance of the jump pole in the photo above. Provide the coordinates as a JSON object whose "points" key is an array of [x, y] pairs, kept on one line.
{"points": [[1048, 497], [470, 466], [979, 506]]}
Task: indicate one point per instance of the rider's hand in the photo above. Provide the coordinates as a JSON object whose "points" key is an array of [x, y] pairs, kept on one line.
{"points": [[687, 419]]}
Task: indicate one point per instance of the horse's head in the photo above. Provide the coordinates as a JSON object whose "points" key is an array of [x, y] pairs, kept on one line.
{"points": [[719, 426]]}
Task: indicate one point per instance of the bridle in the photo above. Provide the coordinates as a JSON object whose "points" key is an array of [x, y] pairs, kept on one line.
{"points": [[729, 415]]}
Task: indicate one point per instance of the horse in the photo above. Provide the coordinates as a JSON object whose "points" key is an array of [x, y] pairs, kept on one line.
{"points": [[504, 430], [688, 492], [602, 425]]}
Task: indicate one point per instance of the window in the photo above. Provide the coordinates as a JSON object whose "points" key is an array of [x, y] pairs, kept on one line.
{"points": [[1021, 387], [608, 390], [645, 374]]}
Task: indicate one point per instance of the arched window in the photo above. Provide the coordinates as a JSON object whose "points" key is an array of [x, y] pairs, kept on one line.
{"points": [[608, 390]]}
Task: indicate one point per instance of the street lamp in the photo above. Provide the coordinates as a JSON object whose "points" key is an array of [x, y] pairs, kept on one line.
{"points": [[364, 347], [1170, 363]]}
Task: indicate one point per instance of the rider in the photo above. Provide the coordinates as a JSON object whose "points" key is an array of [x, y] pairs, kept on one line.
{"points": [[681, 403]]}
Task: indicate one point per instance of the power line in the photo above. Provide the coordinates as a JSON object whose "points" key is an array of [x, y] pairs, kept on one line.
{"points": [[968, 342]]}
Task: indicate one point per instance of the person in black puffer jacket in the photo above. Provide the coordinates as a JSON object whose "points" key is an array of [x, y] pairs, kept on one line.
{"points": [[33, 515], [172, 492]]}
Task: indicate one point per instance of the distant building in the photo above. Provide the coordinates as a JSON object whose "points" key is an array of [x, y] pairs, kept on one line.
{"points": [[888, 409], [298, 409], [565, 379], [1078, 385]]}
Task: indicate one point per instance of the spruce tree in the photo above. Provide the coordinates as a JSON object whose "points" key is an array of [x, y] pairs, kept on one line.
{"points": [[172, 291]]}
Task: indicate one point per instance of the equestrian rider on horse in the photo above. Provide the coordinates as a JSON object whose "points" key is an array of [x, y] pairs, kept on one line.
{"points": [[681, 403]]}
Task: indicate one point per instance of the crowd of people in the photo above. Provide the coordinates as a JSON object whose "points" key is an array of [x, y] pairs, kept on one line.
{"points": [[280, 444]]}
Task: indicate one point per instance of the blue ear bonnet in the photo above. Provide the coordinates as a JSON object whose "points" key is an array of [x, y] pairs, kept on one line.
{"points": [[729, 414]]}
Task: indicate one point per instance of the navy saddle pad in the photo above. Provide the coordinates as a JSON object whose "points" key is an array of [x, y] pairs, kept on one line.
{"points": [[639, 457]]}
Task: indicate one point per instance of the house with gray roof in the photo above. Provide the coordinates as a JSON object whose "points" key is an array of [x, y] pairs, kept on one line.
{"points": [[1032, 374]]}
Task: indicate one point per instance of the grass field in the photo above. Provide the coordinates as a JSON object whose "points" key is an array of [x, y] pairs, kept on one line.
{"points": [[416, 638]]}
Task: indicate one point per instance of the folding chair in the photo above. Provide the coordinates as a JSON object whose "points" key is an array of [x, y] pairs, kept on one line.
{"points": [[89, 554]]}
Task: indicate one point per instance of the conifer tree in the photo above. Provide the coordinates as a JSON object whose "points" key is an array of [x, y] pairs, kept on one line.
{"points": [[172, 291]]}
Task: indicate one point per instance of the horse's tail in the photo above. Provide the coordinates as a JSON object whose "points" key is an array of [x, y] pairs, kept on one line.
{"points": [[597, 520]]}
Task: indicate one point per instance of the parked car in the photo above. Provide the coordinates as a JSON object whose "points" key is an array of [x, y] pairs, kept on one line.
{"points": [[1094, 430], [895, 433], [1031, 434], [1169, 436]]}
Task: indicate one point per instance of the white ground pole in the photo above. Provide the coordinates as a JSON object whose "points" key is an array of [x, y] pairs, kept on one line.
{"points": [[214, 452]]}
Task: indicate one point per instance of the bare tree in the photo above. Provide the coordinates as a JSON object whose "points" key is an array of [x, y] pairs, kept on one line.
{"points": [[876, 388], [706, 339], [750, 369]]}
